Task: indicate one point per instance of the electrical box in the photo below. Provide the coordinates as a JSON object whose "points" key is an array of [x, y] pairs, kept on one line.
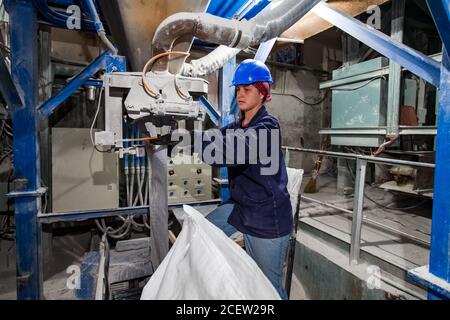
{"points": [[359, 104], [82, 178], [188, 179]]}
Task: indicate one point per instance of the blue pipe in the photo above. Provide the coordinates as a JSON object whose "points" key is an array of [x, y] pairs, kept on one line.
{"points": [[57, 18], [93, 12], [99, 26], [133, 157], [126, 145], [138, 143]]}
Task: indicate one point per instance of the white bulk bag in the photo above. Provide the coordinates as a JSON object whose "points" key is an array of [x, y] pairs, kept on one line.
{"points": [[205, 264]]}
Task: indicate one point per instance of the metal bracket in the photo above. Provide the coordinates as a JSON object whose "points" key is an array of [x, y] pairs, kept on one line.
{"points": [[423, 276], [212, 112], [105, 61], [23, 278], [19, 194], [222, 182]]}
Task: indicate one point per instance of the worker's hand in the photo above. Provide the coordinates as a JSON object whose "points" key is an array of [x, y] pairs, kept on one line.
{"points": [[164, 140]]}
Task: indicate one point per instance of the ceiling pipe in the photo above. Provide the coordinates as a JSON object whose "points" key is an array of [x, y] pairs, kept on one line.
{"points": [[233, 34]]}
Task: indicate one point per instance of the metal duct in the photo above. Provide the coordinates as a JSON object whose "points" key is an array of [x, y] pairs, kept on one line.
{"points": [[269, 23], [133, 24]]}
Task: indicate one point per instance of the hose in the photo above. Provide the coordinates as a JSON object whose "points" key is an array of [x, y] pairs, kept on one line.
{"points": [[149, 63]]}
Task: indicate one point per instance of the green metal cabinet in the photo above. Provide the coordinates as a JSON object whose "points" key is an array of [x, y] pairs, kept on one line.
{"points": [[359, 102]]}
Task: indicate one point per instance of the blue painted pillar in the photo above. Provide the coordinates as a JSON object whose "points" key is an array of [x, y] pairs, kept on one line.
{"points": [[229, 111], [440, 228], [24, 70]]}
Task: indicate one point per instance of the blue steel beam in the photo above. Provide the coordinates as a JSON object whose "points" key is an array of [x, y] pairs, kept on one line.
{"points": [[78, 216], [436, 276], [413, 60], [228, 109], [264, 50], [8, 88], [24, 72], [212, 112], [440, 10], [104, 61], [440, 228]]}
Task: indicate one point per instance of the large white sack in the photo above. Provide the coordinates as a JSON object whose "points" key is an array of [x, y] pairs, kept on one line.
{"points": [[205, 264]]}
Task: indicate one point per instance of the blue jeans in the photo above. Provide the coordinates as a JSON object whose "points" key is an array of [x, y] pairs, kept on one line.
{"points": [[269, 254]]}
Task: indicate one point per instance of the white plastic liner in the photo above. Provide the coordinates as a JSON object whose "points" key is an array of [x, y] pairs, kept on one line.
{"points": [[205, 264]]}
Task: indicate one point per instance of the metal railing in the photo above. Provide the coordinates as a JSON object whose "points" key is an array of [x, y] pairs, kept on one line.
{"points": [[357, 212]]}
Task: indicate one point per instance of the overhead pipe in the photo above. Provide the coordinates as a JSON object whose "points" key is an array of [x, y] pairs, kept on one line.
{"points": [[219, 56], [238, 35]]}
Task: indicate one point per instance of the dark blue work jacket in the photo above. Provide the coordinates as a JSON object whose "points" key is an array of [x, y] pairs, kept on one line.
{"points": [[262, 204]]}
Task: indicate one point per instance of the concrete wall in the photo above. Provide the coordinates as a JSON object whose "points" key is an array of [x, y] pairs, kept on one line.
{"points": [[299, 122], [322, 272], [302, 121]]}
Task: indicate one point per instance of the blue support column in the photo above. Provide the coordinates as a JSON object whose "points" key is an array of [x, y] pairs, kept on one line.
{"points": [[436, 276], [440, 229], [229, 112], [440, 10], [24, 61]]}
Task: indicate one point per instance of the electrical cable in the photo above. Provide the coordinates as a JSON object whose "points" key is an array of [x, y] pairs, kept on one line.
{"points": [[314, 103], [183, 96], [149, 63], [362, 86], [303, 101], [93, 122]]}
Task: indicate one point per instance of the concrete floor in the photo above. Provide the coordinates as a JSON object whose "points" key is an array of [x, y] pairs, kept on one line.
{"points": [[378, 235], [395, 241]]}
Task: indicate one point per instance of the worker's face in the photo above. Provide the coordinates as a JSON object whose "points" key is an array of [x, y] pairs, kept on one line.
{"points": [[248, 97]]}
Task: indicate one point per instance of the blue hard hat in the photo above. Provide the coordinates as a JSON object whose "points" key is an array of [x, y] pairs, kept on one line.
{"points": [[251, 71]]}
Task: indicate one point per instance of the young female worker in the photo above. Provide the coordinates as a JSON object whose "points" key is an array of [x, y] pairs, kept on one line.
{"points": [[259, 206]]}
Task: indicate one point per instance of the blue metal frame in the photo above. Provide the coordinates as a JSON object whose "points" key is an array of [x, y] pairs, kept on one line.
{"points": [[413, 60], [212, 112], [440, 10], [229, 111], [24, 71], [24, 77], [58, 18], [104, 61], [440, 235], [264, 50], [8, 88], [105, 213]]}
